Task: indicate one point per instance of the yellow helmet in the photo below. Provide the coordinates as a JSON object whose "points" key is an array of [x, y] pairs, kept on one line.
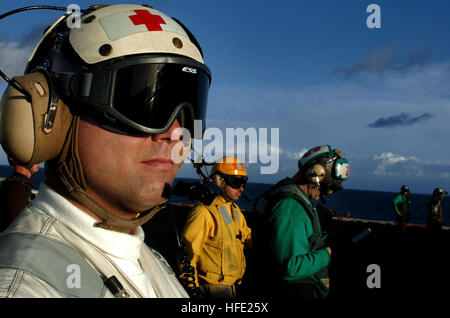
{"points": [[229, 165]]}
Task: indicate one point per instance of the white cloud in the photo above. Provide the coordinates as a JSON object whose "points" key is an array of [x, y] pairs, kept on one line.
{"points": [[13, 58], [389, 158], [15, 50], [445, 175], [390, 164]]}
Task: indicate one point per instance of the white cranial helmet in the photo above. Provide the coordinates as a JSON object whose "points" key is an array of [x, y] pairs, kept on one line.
{"points": [[121, 30]]}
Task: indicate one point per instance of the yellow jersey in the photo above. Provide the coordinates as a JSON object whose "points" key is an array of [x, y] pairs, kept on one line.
{"points": [[215, 236]]}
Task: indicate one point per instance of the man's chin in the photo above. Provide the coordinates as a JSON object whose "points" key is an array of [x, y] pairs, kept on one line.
{"points": [[155, 174], [149, 205], [236, 198]]}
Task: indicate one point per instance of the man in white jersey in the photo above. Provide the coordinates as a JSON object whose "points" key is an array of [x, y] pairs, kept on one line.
{"points": [[104, 102]]}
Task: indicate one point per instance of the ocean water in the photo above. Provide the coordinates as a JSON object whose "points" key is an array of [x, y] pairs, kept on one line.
{"points": [[372, 205]]}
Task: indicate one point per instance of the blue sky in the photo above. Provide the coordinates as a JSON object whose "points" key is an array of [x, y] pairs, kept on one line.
{"points": [[315, 71]]}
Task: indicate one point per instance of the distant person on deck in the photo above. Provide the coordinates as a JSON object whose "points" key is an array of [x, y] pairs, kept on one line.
{"points": [[110, 135], [215, 236], [435, 212], [402, 207], [292, 245], [15, 192]]}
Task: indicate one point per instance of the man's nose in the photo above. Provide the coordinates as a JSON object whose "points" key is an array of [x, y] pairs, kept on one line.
{"points": [[167, 136]]}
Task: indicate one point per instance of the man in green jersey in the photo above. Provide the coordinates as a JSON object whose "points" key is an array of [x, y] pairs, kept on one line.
{"points": [[401, 206], [295, 242]]}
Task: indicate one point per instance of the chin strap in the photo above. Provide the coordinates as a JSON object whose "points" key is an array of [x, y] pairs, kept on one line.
{"points": [[66, 175], [109, 221], [227, 199]]}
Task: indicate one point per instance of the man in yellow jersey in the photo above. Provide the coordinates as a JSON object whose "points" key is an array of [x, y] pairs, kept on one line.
{"points": [[215, 235]]}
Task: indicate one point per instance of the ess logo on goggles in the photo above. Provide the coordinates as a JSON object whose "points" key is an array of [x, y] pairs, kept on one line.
{"points": [[146, 93], [189, 70], [236, 182]]}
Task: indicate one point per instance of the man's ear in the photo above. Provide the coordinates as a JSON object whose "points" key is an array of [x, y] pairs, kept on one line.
{"points": [[219, 181]]}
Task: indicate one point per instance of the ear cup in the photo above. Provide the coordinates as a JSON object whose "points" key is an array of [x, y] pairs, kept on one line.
{"points": [[22, 132], [219, 181], [16, 126], [315, 174]]}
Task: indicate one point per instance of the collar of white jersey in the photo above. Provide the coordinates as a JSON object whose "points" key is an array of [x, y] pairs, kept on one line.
{"points": [[121, 245]]}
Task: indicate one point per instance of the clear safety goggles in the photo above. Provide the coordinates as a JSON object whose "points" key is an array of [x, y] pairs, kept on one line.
{"points": [[146, 94]]}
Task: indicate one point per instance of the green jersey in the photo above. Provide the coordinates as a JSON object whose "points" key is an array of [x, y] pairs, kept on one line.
{"points": [[401, 204], [296, 241]]}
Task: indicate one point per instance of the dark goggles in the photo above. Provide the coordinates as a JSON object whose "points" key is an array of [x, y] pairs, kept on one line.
{"points": [[146, 93], [236, 182]]}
